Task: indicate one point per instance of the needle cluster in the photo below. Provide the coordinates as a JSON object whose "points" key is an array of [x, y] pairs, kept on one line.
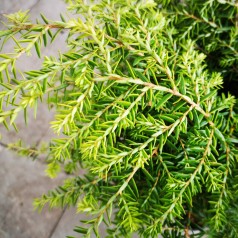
{"points": [[139, 108]]}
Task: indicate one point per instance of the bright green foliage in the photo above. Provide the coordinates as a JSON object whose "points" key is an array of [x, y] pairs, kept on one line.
{"points": [[139, 111], [214, 26]]}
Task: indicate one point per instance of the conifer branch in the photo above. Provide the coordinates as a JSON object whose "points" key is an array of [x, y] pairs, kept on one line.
{"points": [[178, 199], [141, 109]]}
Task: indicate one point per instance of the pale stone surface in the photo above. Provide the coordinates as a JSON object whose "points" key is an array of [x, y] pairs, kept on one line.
{"points": [[8, 6], [67, 223], [21, 181], [70, 220], [34, 131]]}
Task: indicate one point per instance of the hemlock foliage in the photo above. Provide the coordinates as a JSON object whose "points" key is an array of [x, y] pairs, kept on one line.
{"points": [[140, 108], [214, 26]]}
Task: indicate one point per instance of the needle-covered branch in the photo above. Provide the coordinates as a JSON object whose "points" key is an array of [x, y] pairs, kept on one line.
{"points": [[139, 109]]}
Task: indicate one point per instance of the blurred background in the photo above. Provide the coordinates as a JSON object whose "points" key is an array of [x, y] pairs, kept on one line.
{"points": [[22, 179]]}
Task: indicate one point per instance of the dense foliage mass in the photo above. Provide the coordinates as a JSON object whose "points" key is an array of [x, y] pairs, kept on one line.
{"points": [[140, 109], [214, 26]]}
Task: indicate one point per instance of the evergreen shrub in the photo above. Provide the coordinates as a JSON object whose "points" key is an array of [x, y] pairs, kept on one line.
{"points": [[139, 107]]}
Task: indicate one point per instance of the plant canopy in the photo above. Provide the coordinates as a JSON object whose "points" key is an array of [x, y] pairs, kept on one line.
{"points": [[139, 107]]}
